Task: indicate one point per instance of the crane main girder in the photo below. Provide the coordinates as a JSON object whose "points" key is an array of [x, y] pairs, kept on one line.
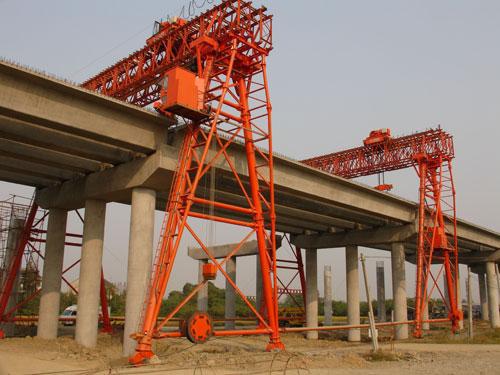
{"points": [[390, 155], [135, 79]]}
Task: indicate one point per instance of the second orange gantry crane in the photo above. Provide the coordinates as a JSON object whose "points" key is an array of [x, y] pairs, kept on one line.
{"points": [[431, 153]]}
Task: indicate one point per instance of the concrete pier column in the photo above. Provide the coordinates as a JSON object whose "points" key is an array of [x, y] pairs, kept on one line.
{"points": [[16, 226], [425, 316], [381, 292], [140, 255], [312, 292], [258, 284], [90, 273], [459, 299], [352, 285], [48, 313], [399, 289], [230, 296], [492, 285], [202, 297], [327, 301], [445, 290], [483, 296]]}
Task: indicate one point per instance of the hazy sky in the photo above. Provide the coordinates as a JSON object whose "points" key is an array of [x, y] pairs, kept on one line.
{"points": [[339, 70]]}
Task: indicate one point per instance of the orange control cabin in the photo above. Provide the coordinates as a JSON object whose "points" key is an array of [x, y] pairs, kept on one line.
{"points": [[182, 94]]}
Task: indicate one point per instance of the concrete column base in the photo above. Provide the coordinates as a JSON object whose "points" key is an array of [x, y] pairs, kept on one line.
{"points": [[492, 284], [90, 274], [202, 297], [483, 296], [328, 313], [140, 255], [48, 313], [352, 284], [399, 290], [425, 316], [312, 293], [459, 300], [230, 295], [381, 314]]}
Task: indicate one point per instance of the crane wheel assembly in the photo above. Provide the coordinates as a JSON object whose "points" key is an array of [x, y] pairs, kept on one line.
{"points": [[199, 327]]}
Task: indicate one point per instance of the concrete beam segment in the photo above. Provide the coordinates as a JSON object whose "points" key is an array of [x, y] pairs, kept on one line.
{"points": [[327, 301], [202, 297], [352, 285], [41, 136], [492, 284], [399, 289], [381, 292], [297, 179], [221, 251], [383, 235], [90, 274], [324, 220], [113, 184], [302, 202], [298, 219], [312, 292], [33, 97], [477, 254], [483, 296], [230, 295], [10, 174], [23, 151], [478, 234], [140, 255], [28, 168], [48, 315]]}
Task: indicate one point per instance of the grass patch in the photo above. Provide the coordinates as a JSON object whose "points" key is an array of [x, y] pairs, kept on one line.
{"points": [[483, 336]]}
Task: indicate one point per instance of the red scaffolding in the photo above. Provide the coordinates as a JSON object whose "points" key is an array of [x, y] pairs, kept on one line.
{"points": [[26, 252]]}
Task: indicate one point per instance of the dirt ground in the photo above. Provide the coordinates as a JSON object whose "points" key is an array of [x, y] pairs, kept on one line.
{"points": [[245, 355]]}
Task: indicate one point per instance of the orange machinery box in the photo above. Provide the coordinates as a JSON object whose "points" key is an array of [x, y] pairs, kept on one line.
{"points": [[182, 94]]}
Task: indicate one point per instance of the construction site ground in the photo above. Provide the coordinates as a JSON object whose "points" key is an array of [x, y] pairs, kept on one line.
{"points": [[438, 353]]}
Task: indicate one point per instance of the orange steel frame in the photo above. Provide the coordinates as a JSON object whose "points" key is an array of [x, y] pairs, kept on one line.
{"points": [[430, 153], [32, 233], [226, 46]]}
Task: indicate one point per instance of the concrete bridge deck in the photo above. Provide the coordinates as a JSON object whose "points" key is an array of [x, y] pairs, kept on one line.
{"points": [[74, 145]]}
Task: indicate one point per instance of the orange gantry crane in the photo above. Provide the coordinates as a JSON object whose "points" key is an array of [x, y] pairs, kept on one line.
{"points": [[431, 153], [211, 72]]}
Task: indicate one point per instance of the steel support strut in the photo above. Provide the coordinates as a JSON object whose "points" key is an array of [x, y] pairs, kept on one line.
{"points": [[265, 262], [436, 241]]}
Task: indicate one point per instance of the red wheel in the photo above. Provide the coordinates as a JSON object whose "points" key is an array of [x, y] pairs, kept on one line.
{"points": [[199, 327]]}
